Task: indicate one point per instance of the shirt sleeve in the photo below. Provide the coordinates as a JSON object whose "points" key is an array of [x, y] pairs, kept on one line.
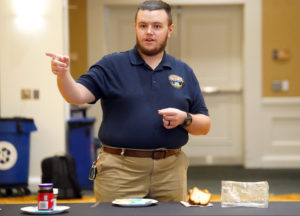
{"points": [[198, 105], [96, 79], [90, 81]]}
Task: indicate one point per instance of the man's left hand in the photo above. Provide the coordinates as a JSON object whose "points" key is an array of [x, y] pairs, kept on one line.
{"points": [[172, 117]]}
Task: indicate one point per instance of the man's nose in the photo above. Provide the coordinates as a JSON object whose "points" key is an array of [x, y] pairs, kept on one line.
{"points": [[149, 29]]}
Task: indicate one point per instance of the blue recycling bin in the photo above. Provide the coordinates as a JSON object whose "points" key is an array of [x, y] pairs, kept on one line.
{"points": [[81, 147], [14, 151]]}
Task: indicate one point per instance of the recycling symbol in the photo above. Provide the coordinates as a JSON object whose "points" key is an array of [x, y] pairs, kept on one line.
{"points": [[8, 155]]}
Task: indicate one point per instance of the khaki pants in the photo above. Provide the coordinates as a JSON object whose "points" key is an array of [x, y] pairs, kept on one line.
{"points": [[132, 177]]}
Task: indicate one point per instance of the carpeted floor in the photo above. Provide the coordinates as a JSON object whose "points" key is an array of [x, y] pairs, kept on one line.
{"points": [[281, 181]]}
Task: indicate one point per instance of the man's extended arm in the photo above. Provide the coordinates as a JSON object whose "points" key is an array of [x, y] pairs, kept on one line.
{"points": [[72, 92]]}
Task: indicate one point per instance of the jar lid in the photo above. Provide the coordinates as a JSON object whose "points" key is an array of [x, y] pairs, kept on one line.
{"points": [[46, 185], [55, 190]]}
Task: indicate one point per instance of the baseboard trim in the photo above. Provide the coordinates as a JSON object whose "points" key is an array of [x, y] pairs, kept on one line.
{"points": [[281, 161], [214, 160], [33, 183]]}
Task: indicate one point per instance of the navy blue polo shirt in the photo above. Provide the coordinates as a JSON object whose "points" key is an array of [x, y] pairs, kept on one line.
{"points": [[131, 94]]}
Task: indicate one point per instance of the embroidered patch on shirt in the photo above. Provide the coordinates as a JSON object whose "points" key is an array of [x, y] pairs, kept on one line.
{"points": [[176, 81]]}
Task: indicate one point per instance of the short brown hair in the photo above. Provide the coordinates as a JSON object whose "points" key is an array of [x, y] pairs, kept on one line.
{"points": [[156, 5]]}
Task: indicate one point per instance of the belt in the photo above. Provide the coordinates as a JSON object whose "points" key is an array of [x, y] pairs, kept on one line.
{"points": [[154, 154]]}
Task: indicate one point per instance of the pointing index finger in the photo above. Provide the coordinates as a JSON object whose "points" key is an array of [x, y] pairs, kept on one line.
{"points": [[167, 111], [52, 55]]}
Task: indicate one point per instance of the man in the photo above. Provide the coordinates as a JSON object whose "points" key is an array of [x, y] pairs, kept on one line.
{"points": [[150, 103]]}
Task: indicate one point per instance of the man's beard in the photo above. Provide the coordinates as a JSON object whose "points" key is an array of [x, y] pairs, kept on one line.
{"points": [[154, 51]]}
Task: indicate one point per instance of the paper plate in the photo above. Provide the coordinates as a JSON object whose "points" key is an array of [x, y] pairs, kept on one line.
{"points": [[34, 210], [136, 202]]}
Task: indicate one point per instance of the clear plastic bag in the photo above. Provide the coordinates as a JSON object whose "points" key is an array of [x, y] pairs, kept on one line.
{"points": [[247, 194]]}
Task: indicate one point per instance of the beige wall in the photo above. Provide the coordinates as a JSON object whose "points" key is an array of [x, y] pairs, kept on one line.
{"points": [[23, 64], [281, 30]]}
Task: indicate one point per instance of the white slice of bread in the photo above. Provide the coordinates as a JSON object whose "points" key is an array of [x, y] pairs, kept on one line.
{"points": [[199, 197]]}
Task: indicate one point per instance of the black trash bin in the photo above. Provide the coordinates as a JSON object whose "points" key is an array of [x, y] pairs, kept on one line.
{"points": [[81, 147], [14, 154]]}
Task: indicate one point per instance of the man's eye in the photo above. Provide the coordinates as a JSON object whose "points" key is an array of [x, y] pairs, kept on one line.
{"points": [[142, 26], [157, 26]]}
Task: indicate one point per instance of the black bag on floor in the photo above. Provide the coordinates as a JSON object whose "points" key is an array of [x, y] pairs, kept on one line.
{"points": [[60, 170]]}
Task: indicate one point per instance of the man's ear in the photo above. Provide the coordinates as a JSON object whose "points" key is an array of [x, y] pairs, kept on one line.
{"points": [[170, 30]]}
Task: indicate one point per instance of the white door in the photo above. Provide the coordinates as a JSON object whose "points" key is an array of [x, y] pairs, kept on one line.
{"points": [[209, 39], [211, 43], [119, 28]]}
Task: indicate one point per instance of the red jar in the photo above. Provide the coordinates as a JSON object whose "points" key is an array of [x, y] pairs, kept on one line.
{"points": [[45, 196]]}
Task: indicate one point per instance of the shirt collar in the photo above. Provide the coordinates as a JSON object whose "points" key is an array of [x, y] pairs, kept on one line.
{"points": [[136, 59]]}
